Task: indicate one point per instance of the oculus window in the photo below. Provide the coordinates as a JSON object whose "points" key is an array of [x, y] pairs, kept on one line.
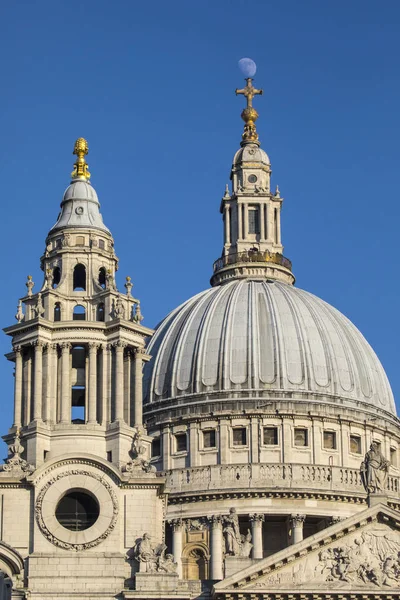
{"points": [[77, 510]]}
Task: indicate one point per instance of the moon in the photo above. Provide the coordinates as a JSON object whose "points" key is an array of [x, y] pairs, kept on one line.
{"points": [[248, 67]]}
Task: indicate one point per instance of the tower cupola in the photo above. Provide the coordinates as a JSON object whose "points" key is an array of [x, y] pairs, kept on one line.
{"points": [[251, 211]]}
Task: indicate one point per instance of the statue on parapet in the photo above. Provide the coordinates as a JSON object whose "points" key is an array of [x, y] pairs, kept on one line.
{"points": [[138, 462], [153, 559], [374, 470]]}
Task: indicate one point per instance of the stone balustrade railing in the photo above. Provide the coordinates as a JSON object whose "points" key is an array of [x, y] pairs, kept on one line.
{"points": [[271, 476]]}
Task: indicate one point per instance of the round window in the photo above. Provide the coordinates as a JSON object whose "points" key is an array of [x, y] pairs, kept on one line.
{"points": [[252, 178], [77, 511]]}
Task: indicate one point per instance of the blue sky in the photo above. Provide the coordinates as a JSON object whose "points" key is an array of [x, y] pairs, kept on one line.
{"points": [[151, 86]]}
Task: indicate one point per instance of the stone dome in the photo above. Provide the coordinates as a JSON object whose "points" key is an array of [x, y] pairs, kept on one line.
{"points": [[263, 336], [251, 153], [80, 207]]}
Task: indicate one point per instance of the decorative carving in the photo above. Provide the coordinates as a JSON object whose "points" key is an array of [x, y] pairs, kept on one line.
{"points": [[374, 470], [67, 545], [297, 520], [110, 283], [66, 240], [231, 533], [19, 314], [119, 309], [257, 517], [195, 524], [139, 463], [128, 286], [38, 308], [137, 317], [153, 559], [372, 558], [49, 279], [15, 464], [176, 524], [29, 284]]}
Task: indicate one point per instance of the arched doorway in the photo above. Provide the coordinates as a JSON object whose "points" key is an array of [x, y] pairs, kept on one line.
{"points": [[195, 561]]}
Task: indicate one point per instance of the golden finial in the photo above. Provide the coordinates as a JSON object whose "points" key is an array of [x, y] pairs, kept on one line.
{"points": [[249, 114], [81, 168]]}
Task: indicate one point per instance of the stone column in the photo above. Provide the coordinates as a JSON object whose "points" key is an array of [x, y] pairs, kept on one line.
{"points": [[119, 380], [138, 422], [18, 387], [240, 215], [256, 532], [92, 395], [296, 524], [65, 384], [227, 224], [246, 220], [278, 224], [38, 381], [105, 379], [177, 528], [216, 548], [262, 222]]}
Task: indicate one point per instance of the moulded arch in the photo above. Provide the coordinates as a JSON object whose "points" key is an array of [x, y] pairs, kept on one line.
{"points": [[70, 458], [11, 562], [195, 561]]}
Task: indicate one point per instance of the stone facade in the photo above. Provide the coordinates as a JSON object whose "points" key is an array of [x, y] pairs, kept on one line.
{"points": [[262, 461]]}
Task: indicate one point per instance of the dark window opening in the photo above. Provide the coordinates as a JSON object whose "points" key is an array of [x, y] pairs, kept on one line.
{"points": [[78, 416], [102, 277], [329, 440], [181, 442], [271, 436], [156, 447], [300, 437], [100, 312], [79, 281], [209, 438], [57, 311], [56, 276], [239, 436], [355, 444], [77, 511], [79, 313], [109, 455], [254, 219]]}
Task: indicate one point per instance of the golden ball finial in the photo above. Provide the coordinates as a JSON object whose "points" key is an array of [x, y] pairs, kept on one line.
{"points": [[81, 168]]}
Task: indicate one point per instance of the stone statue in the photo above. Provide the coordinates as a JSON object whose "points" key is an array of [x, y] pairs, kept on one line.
{"points": [[15, 464], [232, 533], [139, 462], [245, 545], [374, 470], [119, 310], [153, 559], [38, 309]]}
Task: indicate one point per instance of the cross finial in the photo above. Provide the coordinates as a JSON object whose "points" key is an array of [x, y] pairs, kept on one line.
{"points": [[249, 114], [249, 92]]}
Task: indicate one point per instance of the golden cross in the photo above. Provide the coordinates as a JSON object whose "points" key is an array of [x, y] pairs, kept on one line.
{"points": [[249, 92]]}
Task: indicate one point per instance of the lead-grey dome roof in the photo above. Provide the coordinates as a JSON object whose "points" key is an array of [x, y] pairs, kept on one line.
{"points": [[255, 335], [80, 207]]}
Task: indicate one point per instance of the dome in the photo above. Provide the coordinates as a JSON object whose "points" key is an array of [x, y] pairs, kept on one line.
{"points": [[80, 190], [264, 336], [251, 153], [80, 208]]}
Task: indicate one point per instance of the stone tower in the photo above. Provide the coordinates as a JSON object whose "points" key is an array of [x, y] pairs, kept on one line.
{"points": [[77, 489], [79, 343]]}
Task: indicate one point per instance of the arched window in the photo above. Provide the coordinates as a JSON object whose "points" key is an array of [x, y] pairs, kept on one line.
{"points": [[57, 311], [79, 313], [79, 278], [56, 276], [102, 277], [100, 312]]}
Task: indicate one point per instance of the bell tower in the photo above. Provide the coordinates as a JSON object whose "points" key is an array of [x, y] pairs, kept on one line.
{"points": [[78, 344], [251, 212]]}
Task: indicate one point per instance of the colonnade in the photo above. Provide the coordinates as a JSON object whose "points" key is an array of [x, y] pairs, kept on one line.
{"points": [[269, 222], [216, 544], [49, 399]]}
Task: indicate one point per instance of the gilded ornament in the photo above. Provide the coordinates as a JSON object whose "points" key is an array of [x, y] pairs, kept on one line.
{"points": [[81, 168]]}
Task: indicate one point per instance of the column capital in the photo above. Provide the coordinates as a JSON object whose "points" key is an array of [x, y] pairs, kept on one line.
{"points": [[259, 518], [176, 524], [17, 349], [119, 345], [93, 346], [297, 520], [65, 346], [38, 344], [52, 347], [215, 521], [140, 351]]}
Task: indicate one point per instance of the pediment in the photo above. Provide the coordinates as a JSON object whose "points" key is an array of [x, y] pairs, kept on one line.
{"points": [[361, 553]]}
